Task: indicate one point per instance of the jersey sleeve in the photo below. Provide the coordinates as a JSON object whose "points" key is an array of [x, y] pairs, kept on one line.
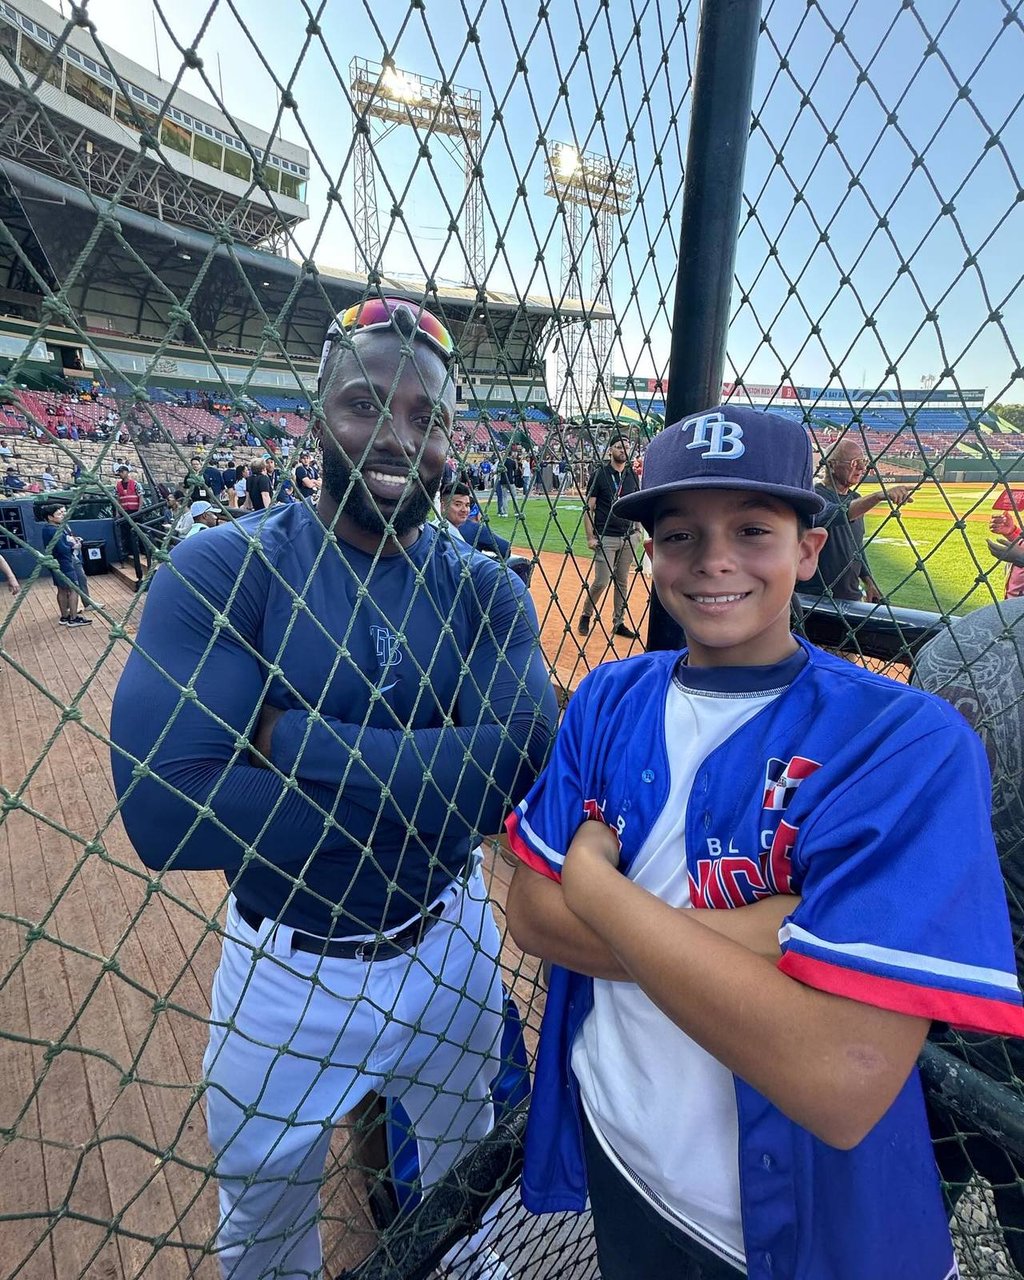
{"points": [[459, 779], [181, 718], [542, 825], [902, 900]]}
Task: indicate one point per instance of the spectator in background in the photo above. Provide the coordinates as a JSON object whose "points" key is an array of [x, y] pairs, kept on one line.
{"points": [[306, 487], [204, 516], [6, 572], [194, 484], [129, 499], [127, 491], [1008, 546], [505, 481], [241, 486], [49, 480], [13, 483], [62, 547], [284, 490], [214, 479], [842, 570], [260, 487], [456, 505], [5, 450], [611, 538], [526, 475]]}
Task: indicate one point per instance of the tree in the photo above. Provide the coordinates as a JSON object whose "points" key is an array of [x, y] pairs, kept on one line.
{"points": [[1011, 413]]}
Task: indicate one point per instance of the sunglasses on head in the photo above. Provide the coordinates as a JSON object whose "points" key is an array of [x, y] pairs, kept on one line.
{"points": [[378, 313]]}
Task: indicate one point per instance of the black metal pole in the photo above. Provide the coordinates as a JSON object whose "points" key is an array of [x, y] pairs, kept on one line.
{"points": [[723, 84]]}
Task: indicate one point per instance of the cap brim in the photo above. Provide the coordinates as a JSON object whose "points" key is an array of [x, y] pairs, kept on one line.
{"points": [[642, 505]]}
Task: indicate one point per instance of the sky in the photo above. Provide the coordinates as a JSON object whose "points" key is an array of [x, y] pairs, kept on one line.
{"points": [[883, 217]]}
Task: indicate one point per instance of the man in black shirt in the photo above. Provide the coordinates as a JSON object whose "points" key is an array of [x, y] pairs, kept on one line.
{"points": [[842, 566], [610, 538], [260, 486], [306, 479], [195, 484]]}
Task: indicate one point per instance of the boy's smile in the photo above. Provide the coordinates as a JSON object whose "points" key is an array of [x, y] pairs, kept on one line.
{"points": [[726, 562]]}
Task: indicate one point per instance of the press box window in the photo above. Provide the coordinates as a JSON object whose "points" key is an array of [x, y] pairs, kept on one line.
{"points": [[38, 61], [176, 137], [127, 112], [8, 40], [82, 86], [208, 152], [237, 165]]}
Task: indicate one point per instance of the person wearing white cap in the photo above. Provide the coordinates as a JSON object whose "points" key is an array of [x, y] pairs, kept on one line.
{"points": [[204, 516]]}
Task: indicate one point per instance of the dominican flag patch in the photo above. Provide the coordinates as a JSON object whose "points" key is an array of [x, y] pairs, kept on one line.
{"points": [[782, 778]]}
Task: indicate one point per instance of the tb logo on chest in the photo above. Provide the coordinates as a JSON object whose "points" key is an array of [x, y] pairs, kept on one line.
{"points": [[389, 654]]}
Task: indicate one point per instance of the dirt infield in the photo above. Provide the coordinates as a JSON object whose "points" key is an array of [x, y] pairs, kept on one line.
{"points": [[557, 591]]}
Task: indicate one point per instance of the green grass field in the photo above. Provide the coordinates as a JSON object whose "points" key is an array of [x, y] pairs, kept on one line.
{"points": [[932, 555]]}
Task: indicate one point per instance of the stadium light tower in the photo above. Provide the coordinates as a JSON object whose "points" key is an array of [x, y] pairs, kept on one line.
{"points": [[385, 98], [582, 181]]}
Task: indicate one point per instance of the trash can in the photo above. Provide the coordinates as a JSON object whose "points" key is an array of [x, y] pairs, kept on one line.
{"points": [[94, 558]]}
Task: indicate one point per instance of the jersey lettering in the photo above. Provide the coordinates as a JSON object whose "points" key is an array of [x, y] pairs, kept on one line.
{"points": [[594, 811], [734, 881], [716, 436]]}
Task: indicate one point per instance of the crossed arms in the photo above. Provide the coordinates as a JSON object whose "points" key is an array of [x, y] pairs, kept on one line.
{"points": [[833, 1065]]}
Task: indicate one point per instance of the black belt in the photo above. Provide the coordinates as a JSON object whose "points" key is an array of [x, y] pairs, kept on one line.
{"points": [[384, 946]]}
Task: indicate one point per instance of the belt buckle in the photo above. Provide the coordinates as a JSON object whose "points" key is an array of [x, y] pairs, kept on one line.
{"points": [[361, 950]]}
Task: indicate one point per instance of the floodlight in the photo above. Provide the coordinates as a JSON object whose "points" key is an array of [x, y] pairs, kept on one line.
{"points": [[568, 162], [399, 86]]}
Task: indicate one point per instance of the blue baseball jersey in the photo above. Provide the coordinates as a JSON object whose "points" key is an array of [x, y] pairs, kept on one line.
{"points": [[870, 800], [416, 702]]}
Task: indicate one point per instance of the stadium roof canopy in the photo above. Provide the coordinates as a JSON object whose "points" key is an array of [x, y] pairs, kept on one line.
{"points": [[125, 271], [81, 111]]}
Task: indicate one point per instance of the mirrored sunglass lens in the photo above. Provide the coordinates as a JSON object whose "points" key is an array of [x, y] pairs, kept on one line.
{"points": [[380, 311], [373, 311], [431, 325]]}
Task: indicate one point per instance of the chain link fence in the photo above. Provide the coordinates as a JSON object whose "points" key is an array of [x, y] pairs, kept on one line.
{"points": [[188, 197]]}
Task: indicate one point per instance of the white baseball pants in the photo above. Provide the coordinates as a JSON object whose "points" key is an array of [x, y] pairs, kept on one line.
{"points": [[297, 1040]]}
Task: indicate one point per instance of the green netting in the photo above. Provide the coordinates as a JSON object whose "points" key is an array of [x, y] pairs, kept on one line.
{"points": [[187, 197]]}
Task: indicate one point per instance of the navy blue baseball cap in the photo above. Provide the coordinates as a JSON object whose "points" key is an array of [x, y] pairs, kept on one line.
{"points": [[728, 447]]}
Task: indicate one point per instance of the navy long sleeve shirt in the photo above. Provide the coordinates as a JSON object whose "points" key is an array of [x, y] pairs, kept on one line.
{"points": [[417, 711]]}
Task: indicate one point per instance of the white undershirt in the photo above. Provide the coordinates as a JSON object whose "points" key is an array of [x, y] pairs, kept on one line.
{"points": [[664, 1109]]}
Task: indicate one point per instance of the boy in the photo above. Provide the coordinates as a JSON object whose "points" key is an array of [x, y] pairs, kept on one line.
{"points": [[729, 1108], [62, 548]]}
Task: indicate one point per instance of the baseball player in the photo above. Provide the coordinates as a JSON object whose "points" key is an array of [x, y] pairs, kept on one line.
{"points": [[392, 691], [738, 1096]]}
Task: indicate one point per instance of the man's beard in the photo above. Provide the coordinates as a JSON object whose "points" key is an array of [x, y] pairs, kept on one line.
{"points": [[359, 506]]}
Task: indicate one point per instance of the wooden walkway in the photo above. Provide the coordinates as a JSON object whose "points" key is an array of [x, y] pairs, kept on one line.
{"points": [[104, 989]]}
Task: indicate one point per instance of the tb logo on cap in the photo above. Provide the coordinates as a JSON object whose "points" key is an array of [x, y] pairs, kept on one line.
{"points": [[718, 437]]}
